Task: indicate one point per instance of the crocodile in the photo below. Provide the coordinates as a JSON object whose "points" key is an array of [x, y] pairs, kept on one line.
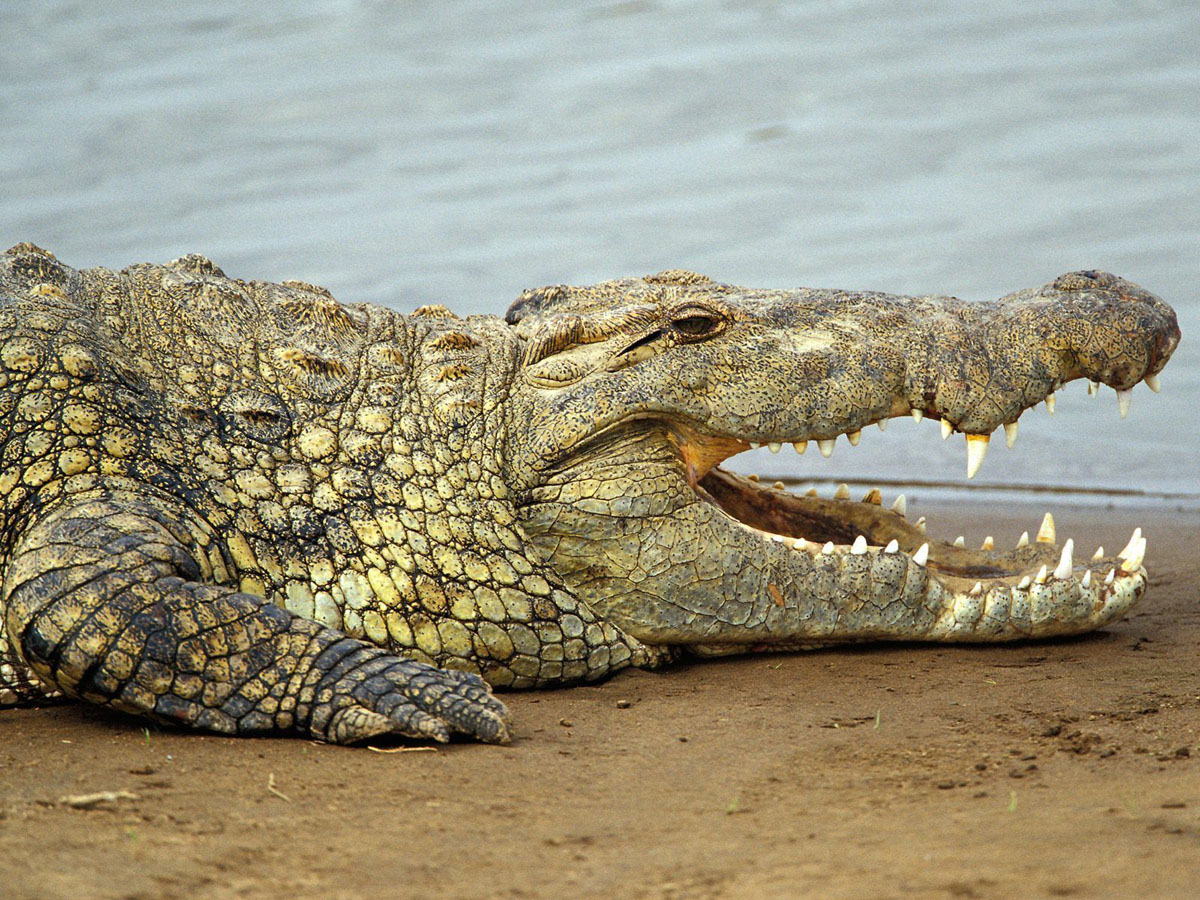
{"points": [[247, 507]]}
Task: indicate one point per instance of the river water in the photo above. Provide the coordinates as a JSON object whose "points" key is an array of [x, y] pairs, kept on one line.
{"points": [[458, 152]]}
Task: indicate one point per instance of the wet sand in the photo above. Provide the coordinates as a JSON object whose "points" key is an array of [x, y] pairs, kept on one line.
{"points": [[1068, 768]]}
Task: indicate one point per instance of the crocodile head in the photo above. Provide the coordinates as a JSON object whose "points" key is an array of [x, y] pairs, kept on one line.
{"points": [[631, 393]]}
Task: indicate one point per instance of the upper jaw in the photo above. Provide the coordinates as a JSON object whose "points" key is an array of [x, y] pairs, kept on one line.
{"points": [[840, 362]]}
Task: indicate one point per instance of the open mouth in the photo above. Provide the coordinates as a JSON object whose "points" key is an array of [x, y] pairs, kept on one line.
{"points": [[1031, 589]]}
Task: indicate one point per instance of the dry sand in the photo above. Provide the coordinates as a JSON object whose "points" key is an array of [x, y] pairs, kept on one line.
{"points": [[1061, 769]]}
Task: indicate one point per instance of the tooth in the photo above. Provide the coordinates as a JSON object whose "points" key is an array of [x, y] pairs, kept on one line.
{"points": [[900, 506], [977, 445], [1132, 545], [828, 548], [1050, 404], [1024, 585], [947, 429], [920, 525], [774, 446], [1108, 579], [960, 541], [1153, 383], [1135, 559], [778, 485], [811, 492], [1023, 540], [882, 423], [1093, 387], [1065, 563], [754, 445], [988, 543], [1040, 577], [977, 590], [842, 492], [800, 446], [1010, 434], [1123, 400], [753, 476], [859, 547], [873, 496], [917, 415], [1086, 581], [854, 437], [921, 557], [892, 547], [799, 544], [1046, 531], [826, 447], [778, 538], [1099, 554]]}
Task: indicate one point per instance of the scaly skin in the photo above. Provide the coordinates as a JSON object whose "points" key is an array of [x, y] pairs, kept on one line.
{"points": [[247, 507]]}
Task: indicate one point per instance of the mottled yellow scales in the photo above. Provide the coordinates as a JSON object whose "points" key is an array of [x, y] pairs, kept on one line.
{"points": [[247, 507]]}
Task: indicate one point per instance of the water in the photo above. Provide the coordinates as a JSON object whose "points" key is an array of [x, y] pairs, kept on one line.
{"points": [[415, 152]]}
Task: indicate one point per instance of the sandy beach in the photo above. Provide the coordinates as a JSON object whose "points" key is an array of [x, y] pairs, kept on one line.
{"points": [[1068, 768]]}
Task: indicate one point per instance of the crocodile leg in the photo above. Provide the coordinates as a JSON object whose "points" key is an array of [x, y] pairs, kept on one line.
{"points": [[106, 601]]}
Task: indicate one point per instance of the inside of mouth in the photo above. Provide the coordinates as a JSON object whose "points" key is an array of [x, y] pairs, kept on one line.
{"points": [[840, 520]]}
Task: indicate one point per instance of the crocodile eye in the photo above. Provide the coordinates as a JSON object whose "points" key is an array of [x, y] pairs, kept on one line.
{"points": [[695, 324]]}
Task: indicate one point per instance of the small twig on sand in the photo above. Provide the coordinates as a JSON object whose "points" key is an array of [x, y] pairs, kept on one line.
{"points": [[90, 801], [274, 790], [403, 749]]}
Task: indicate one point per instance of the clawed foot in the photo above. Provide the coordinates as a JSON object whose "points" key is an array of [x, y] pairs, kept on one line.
{"points": [[385, 695]]}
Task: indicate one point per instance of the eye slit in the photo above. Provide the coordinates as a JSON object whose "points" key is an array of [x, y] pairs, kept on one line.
{"points": [[697, 324]]}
